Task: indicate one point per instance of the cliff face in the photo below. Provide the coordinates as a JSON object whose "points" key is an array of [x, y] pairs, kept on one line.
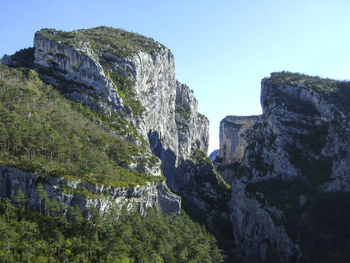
{"points": [[192, 127], [130, 78], [293, 157], [81, 194], [160, 99], [80, 66], [232, 144]]}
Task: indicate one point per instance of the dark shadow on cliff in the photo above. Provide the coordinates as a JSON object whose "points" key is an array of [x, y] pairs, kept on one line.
{"points": [[204, 199], [166, 155]]}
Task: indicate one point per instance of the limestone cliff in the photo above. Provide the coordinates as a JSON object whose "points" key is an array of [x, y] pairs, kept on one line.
{"points": [[130, 78], [159, 98], [293, 157], [78, 193], [139, 84], [232, 144]]}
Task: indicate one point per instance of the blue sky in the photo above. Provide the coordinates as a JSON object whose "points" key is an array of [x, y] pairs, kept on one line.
{"points": [[222, 48]]}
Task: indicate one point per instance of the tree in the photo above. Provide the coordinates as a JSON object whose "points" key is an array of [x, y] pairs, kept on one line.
{"points": [[21, 201], [43, 198], [9, 209]]}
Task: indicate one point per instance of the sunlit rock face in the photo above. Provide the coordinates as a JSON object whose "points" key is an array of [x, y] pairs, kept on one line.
{"points": [[153, 195], [232, 141], [286, 163], [170, 119]]}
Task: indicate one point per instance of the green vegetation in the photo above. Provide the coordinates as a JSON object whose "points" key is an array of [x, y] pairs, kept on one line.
{"points": [[184, 114], [24, 57], [315, 138], [202, 116], [43, 132], [108, 39], [214, 177], [317, 170], [337, 92], [198, 156], [51, 236], [323, 86], [125, 91]]}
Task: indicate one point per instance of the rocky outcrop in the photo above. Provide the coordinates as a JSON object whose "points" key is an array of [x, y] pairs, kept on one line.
{"points": [[169, 120], [81, 67], [193, 127], [214, 154], [256, 236], [204, 191], [232, 143], [81, 194], [137, 86], [292, 157]]}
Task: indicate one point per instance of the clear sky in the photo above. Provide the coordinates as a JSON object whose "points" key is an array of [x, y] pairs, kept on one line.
{"points": [[222, 48]]}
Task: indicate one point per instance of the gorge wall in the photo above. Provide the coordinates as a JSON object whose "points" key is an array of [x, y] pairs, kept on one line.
{"points": [[169, 116], [134, 81], [279, 189], [291, 164]]}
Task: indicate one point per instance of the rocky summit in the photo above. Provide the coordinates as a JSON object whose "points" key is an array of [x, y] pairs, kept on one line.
{"points": [[289, 170]]}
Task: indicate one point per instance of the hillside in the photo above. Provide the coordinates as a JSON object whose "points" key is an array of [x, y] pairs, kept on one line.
{"points": [[95, 127]]}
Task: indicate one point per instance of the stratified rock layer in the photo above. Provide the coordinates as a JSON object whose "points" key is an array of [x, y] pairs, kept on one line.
{"points": [[153, 195]]}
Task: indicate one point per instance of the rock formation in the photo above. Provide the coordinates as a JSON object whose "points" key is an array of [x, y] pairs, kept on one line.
{"points": [[153, 195], [232, 144], [169, 118], [133, 79], [292, 157], [214, 154]]}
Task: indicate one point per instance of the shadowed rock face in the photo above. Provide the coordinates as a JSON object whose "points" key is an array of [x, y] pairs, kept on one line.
{"points": [[291, 159]]}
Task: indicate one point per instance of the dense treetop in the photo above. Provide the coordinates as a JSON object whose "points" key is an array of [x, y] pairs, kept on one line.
{"points": [[33, 236]]}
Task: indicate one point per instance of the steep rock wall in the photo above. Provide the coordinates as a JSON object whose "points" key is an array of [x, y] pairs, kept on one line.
{"points": [[294, 156], [192, 127], [79, 66], [232, 143], [153, 195], [172, 137]]}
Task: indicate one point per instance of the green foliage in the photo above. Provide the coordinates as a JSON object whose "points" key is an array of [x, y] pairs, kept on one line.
{"points": [[214, 177], [42, 132], [184, 114], [132, 238], [125, 91], [324, 86], [202, 116], [315, 138], [317, 170], [198, 156], [24, 57], [112, 40]]}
